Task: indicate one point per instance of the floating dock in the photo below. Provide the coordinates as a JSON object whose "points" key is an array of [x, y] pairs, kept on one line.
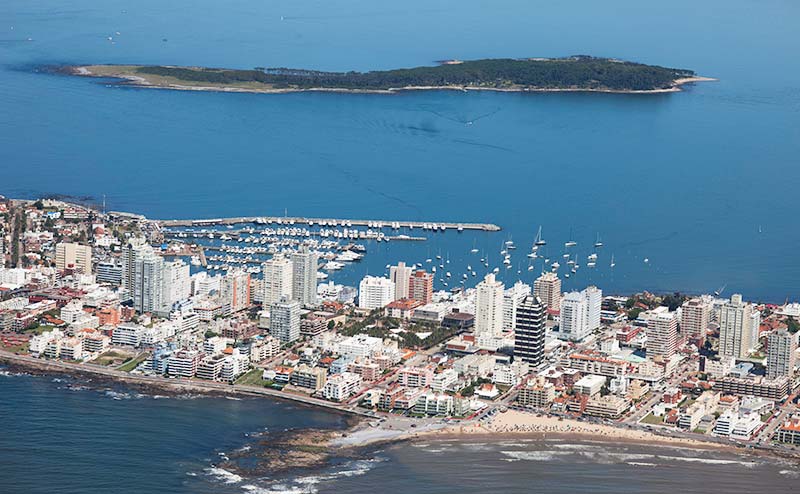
{"points": [[332, 222]]}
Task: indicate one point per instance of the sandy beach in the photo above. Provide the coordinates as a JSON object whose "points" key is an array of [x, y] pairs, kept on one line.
{"points": [[512, 424]]}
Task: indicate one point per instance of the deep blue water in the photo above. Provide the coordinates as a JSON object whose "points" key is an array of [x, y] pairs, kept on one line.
{"points": [[686, 180], [59, 436]]}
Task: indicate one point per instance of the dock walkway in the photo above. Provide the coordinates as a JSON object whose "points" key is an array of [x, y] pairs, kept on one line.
{"points": [[332, 222]]}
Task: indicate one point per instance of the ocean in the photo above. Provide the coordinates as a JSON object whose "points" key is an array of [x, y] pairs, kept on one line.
{"points": [[702, 184], [693, 191], [62, 435]]}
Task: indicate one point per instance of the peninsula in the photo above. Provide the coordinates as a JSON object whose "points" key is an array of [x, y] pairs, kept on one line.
{"points": [[577, 73]]}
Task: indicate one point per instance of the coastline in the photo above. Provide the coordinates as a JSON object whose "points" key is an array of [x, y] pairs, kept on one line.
{"points": [[35, 365], [142, 82], [364, 433]]}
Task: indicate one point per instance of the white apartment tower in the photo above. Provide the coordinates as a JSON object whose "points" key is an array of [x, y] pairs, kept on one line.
{"points": [[573, 320], [148, 282], [284, 320], [781, 351], [277, 279], [735, 332], [662, 335], [594, 302], [512, 297], [304, 276], [401, 277], [177, 283], [580, 313], [489, 308], [375, 292]]}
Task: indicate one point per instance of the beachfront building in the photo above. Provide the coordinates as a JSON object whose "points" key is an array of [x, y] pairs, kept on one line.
{"points": [[609, 406], [432, 403], [789, 431], [529, 330], [375, 292], [340, 387], [210, 367], [312, 378], [184, 363], [536, 393], [128, 334]]}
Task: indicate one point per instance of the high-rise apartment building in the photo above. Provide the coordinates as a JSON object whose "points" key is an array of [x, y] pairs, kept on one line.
{"points": [[284, 320], [512, 297], [695, 316], [401, 277], [781, 354], [277, 279], [662, 335], [375, 292], [304, 276], [421, 286], [489, 308], [74, 256], [548, 288], [529, 330], [235, 289], [735, 332]]}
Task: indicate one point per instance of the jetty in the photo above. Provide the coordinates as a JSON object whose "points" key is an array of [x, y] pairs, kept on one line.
{"points": [[330, 222]]}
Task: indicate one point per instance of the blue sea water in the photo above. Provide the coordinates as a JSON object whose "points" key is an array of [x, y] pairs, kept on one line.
{"points": [[701, 183], [62, 436]]}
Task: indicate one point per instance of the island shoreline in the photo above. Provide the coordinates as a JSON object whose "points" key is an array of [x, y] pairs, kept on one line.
{"points": [[135, 81]]}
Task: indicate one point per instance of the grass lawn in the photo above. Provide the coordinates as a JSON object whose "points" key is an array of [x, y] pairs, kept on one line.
{"points": [[132, 363], [39, 330], [111, 358], [23, 348], [252, 378], [652, 420]]}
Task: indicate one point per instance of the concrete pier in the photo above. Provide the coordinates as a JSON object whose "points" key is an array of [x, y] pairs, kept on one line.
{"points": [[333, 222]]}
